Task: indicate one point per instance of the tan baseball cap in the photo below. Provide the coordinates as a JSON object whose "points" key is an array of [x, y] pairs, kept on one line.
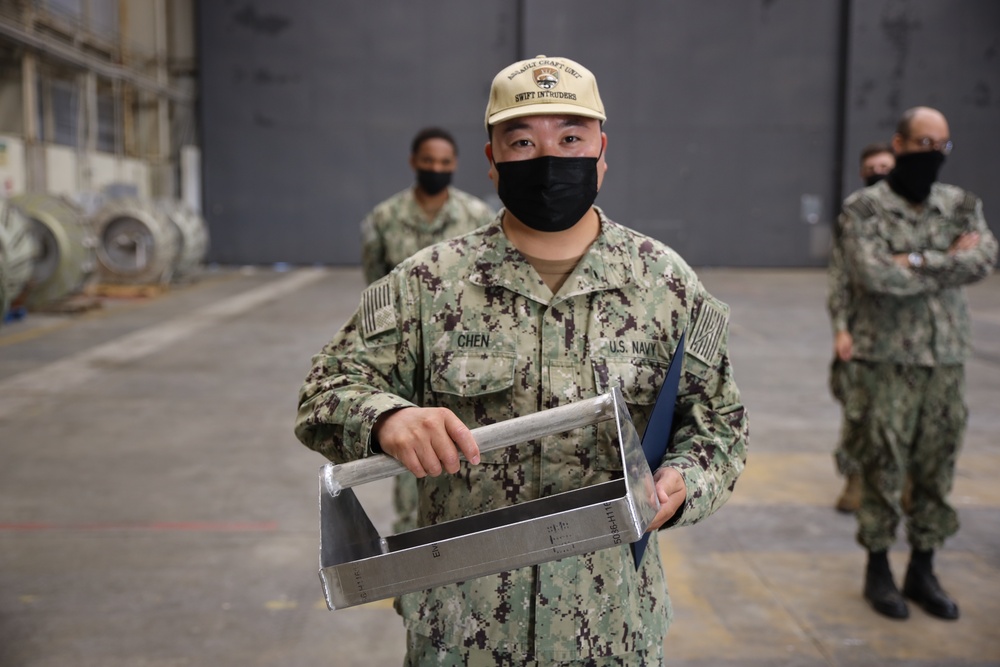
{"points": [[543, 85]]}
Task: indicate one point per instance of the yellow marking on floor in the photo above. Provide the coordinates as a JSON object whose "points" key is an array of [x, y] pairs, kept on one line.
{"points": [[27, 391], [377, 604], [767, 606], [687, 602], [719, 601], [779, 478], [821, 592], [975, 480], [68, 319], [37, 332], [774, 478], [28, 599], [281, 605]]}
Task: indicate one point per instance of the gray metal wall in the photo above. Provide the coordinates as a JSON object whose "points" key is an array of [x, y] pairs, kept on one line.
{"points": [[939, 53], [733, 125]]}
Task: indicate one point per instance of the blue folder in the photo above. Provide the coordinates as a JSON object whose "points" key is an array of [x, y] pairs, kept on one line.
{"points": [[656, 437]]}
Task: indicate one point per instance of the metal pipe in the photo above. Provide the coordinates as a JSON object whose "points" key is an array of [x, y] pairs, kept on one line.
{"points": [[490, 437], [34, 168], [162, 109], [72, 56], [840, 127]]}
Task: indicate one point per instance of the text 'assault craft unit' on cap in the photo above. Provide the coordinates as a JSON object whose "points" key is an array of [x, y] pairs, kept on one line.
{"points": [[544, 85]]}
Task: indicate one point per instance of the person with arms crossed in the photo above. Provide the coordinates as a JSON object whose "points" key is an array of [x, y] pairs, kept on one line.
{"points": [[911, 244]]}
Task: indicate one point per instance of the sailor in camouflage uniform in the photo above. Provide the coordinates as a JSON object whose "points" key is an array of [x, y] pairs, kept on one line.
{"points": [[877, 160], [3, 292], [551, 304], [911, 244], [431, 210]]}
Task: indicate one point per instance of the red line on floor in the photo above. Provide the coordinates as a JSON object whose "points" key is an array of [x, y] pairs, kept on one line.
{"points": [[156, 526]]}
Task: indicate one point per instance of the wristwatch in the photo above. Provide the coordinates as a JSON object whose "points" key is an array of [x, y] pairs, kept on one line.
{"points": [[915, 260]]}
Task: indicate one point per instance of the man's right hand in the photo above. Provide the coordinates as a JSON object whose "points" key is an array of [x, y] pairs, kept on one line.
{"points": [[966, 241], [426, 440], [843, 345]]}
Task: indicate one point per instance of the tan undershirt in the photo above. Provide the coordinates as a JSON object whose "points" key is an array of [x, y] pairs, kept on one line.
{"points": [[553, 271]]}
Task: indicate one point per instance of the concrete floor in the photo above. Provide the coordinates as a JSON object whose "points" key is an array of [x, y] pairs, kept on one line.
{"points": [[156, 509]]}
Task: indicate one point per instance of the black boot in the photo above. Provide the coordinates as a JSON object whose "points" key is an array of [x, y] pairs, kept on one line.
{"points": [[922, 587], [880, 589]]}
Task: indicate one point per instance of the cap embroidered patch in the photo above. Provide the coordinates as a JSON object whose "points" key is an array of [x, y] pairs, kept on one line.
{"points": [[377, 312], [708, 330], [546, 78]]}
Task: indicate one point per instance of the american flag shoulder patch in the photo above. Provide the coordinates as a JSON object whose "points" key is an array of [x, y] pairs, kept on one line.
{"points": [[968, 204], [708, 331], [862, 207], [378, 313]]}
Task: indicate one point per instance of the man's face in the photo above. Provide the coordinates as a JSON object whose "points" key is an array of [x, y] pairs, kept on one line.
{"points": [[434, 155], [540, 136], [878, 164], [928, 132]]}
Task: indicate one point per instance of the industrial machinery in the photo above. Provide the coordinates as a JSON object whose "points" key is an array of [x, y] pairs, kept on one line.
{"points": [[18, 249], [136, 242], [193, 236], [65, 259]]}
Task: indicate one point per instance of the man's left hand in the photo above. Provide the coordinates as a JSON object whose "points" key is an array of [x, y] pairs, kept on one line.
{"points": [[671, 491]]}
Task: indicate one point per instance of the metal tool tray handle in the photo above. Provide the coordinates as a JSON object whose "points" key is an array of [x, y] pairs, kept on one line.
{"points": [[337, 477]]}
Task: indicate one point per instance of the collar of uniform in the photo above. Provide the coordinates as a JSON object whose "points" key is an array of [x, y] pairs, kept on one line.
{"points": [[606, 264], [903, 207], [416, 218], [936, 201]]}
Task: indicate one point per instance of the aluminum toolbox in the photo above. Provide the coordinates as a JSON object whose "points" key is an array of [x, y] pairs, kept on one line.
{"points": [[357, 565]]}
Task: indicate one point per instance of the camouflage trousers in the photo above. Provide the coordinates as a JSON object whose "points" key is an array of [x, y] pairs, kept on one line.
{"points": [[425, 652], [405, 500], [842, 379], [912, 419]]}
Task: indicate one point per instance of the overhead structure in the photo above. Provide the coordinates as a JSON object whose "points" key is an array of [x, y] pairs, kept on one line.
{"points": [[136, 242], [193, 236], [65, 261], [18, 249]]}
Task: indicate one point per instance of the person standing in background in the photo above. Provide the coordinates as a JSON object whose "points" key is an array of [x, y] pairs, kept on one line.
{"points": [[877, 160], [429, 211], [911, 244]]}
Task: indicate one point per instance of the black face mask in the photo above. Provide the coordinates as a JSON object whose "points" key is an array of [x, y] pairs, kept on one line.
{"points": [[914, 174], [873, 179], [433, 182], [548, 194]]}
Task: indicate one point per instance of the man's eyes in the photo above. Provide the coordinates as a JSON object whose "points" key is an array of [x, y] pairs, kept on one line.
{"points": [[524, 143]]}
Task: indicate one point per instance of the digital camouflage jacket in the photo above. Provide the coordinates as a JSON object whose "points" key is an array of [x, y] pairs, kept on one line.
{"points": [[913, 316], [398, 227], [469, 325]]}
